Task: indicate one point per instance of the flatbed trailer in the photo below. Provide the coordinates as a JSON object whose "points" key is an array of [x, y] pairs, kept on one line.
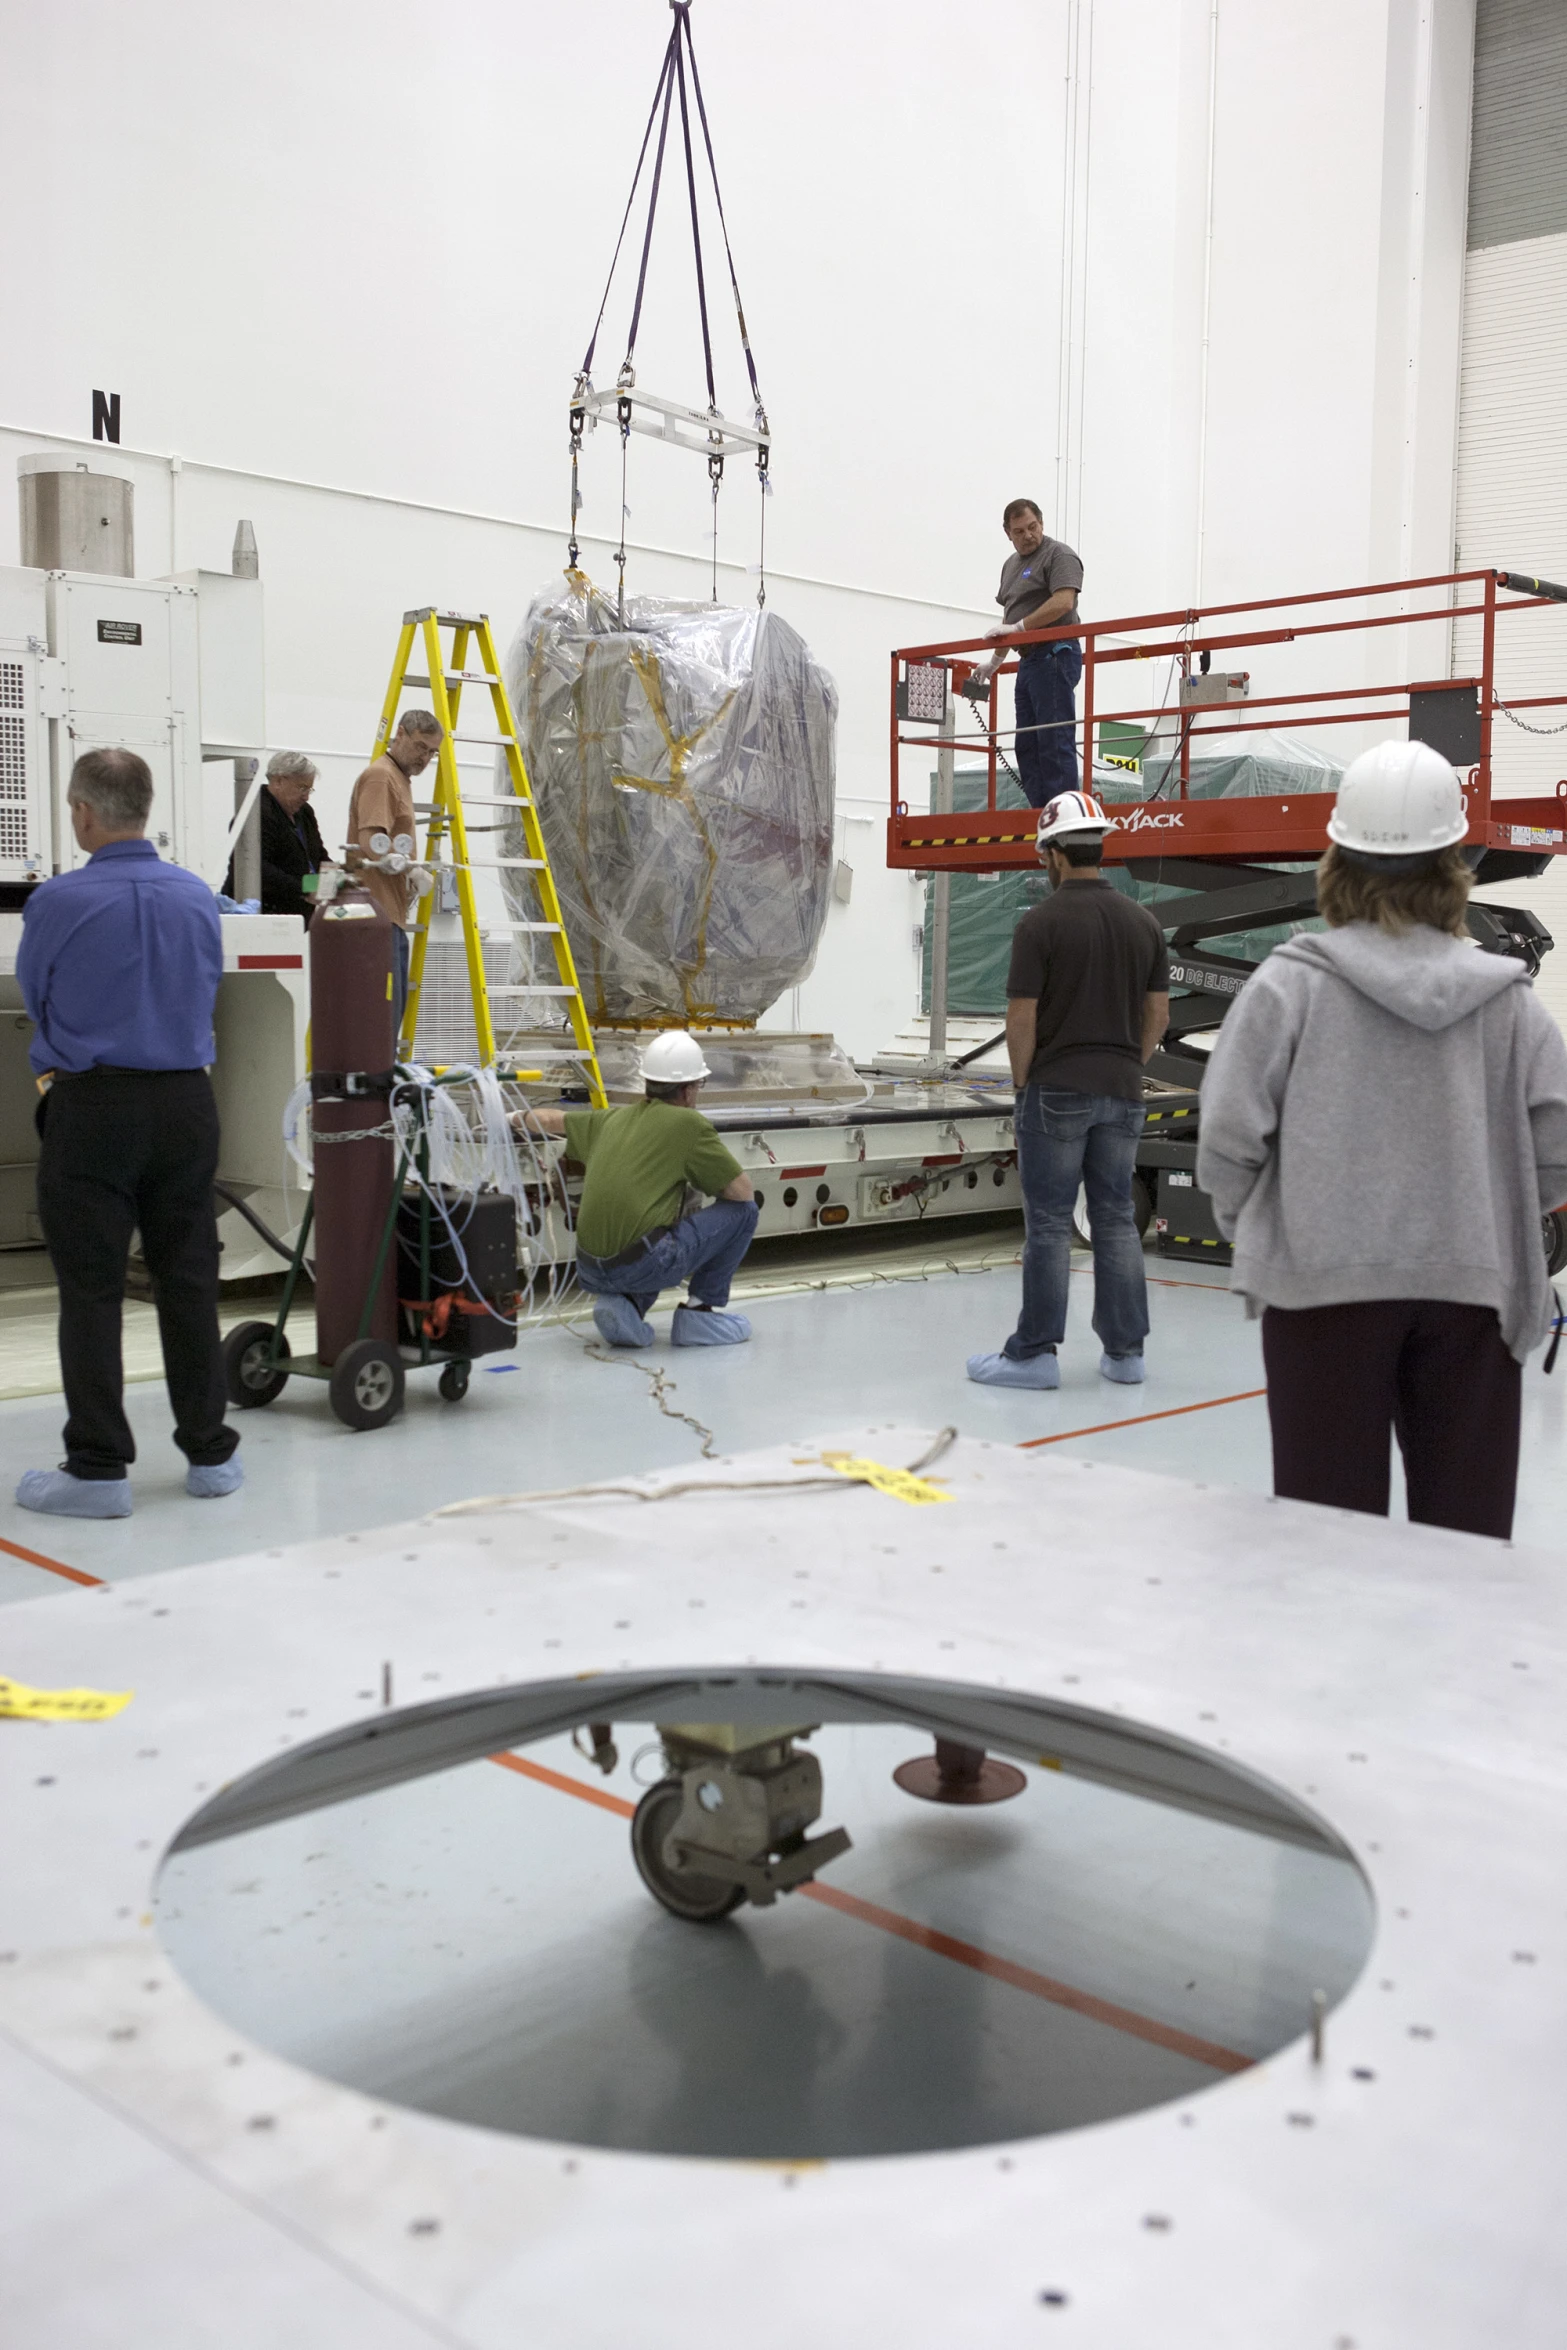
{"points": [[829, 1146]]}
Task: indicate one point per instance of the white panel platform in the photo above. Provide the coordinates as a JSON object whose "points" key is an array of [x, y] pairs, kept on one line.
{"points": [[161, 2179]]}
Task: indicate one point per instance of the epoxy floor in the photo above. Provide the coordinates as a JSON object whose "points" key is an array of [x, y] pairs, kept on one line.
{"points": [[884, 1342]]}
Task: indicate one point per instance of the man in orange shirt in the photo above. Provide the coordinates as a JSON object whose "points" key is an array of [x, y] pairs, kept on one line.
{"points": [[383, 802]]}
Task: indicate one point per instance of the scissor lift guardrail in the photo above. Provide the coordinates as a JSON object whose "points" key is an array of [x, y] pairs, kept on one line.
{"points": [[1455, 713]]}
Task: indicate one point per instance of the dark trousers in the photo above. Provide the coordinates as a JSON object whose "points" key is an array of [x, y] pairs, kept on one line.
{"points": [[1344, 1380], [1044, 695], [122, 1153]]}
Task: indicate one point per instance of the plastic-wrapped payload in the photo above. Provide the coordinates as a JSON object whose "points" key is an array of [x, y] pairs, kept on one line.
{"points": [[683, 768]]}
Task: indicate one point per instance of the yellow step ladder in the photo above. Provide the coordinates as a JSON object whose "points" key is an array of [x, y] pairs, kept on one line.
{"points": [[444, 678]]}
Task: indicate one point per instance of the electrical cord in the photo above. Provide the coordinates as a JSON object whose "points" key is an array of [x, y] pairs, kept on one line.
{"points": [[231, 1198], [661, 1385], [977, 1052]]}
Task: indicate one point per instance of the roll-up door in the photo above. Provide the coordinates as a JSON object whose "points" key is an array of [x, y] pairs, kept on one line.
{"points": [[1512, 431]]}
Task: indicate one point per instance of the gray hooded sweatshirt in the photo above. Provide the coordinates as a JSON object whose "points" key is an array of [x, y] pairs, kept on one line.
{"points": [[1387, 1117]]}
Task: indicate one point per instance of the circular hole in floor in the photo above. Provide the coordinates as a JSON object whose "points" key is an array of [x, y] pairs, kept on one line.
{"points": [[448, 1914]]}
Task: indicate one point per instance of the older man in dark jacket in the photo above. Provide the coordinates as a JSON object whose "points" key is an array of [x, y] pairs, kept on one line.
{"points": [[291, 844]]}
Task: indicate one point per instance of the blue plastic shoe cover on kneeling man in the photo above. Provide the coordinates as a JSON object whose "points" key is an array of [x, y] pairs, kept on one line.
{"points": [[693, 1327], [619, 1324]]}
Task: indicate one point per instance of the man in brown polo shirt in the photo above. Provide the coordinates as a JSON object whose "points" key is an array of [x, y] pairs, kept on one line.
{"points": [[383, 801]]}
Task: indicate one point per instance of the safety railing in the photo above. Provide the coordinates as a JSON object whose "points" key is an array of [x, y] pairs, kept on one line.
{"points": [[1456, 714]]}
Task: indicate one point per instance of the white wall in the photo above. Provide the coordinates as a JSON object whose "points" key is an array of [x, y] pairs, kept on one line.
{"points": [[979, 259]]}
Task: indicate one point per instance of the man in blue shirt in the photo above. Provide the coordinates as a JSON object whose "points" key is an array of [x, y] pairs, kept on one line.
{"points": [[119, 967]]}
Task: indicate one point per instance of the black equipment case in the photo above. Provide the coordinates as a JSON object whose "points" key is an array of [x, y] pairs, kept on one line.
{"points": [[472, 1312]]}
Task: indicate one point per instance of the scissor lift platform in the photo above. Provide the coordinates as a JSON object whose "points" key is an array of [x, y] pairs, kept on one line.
{"points": [[1235, 864]]}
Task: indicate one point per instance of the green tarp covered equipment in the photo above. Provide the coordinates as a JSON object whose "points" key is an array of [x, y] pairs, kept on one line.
{"points": [[985, 908]]}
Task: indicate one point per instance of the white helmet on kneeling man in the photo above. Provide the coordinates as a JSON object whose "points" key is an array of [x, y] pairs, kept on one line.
{"points": [[674, 1058]]}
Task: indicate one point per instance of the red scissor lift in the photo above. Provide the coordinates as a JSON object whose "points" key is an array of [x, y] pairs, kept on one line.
{"points": [[1241, 863]]}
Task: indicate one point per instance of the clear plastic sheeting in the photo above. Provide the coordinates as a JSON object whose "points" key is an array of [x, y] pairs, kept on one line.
{"points": [[756, 1073], [445, 1021], [683, 768]]}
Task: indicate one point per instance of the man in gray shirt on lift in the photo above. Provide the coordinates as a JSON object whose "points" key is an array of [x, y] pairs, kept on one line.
{"points": [[1088, 998], [1039, 586]]}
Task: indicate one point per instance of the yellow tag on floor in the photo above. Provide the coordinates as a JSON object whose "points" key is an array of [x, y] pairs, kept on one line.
{"points": [[18, 1703], [902, 1484]]}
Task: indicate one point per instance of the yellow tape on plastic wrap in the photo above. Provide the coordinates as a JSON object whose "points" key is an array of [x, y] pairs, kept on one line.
{"points": [[900, 1483], [18, 1703]]}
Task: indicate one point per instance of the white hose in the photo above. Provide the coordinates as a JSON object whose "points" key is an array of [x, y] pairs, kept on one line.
{"points": [[473, 1148]]}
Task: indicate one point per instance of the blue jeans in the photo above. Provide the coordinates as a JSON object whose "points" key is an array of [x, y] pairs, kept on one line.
{"points": [[1064, 1139], [1045, 696], [703, 1250]]}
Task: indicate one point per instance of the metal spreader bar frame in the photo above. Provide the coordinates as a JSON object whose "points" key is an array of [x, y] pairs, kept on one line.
{"points": [[1454, 713], [710, 434], [446, 840]]}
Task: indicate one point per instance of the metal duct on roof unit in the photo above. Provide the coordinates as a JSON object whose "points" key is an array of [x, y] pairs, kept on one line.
{"points": [[77, 517]]}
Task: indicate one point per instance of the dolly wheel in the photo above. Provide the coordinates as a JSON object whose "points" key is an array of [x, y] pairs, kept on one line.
{"points": [[453, 1382], [701, 1900], [366, 1386], [247, 1375]]}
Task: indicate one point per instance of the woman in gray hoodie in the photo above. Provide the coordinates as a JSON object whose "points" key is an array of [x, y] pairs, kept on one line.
{"points": [[1384, 1120]]}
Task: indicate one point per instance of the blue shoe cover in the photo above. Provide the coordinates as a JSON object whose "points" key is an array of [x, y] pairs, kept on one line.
{"points": [[1125, 1370], [693, 1327], [619, 1324], [1005, 1371], [217, 1477], [60, 1495]]}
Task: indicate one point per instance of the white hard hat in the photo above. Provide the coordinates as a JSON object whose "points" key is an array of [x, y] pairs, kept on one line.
{"points": [[1398, 800], [673, 1059], [1069, 812]]}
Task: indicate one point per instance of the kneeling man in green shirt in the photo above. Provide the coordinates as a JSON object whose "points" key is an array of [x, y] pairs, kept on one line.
{"points": [[633, 1238]]}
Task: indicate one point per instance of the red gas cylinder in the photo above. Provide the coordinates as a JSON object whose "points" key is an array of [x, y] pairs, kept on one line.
{"points": [[352, 1044]]}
